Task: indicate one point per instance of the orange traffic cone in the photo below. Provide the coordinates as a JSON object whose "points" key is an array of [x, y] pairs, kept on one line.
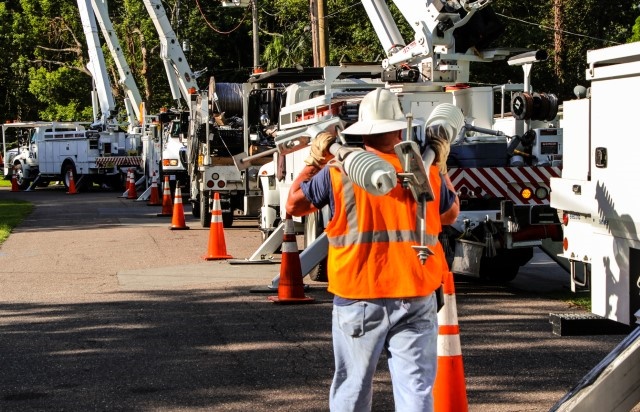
{"points": [[290, 286], [177, 221], [154, 196], [132, 186], [127, 183], [72, 184], [449, 389], [167, 202], [217, 248], [14, 182]]}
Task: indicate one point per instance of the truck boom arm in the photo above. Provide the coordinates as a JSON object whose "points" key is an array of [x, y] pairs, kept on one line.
{"points": [[433, 22], [126, 80], [181, 78], [97, 65]]}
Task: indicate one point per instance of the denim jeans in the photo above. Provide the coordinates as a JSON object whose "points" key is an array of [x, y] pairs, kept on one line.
{"points": [[407, 330]]}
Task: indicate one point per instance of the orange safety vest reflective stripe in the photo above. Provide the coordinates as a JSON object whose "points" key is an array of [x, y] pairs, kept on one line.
{"points": [[371, 238]]}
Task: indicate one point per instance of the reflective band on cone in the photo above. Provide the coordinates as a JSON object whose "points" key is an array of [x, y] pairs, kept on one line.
{"points": [[217, 248], [132, 186], [72, 184], [449, 389], [14, 182], [167, 203], [127, 184], [177, 221], [154, 196], [290, 286]]}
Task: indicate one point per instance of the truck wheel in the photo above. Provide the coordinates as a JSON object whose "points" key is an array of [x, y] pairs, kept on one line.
{"points": [[205, 212], [65, 174], [23, 183], [117, 182], [195, 209], [227, 219], [496, 270]]}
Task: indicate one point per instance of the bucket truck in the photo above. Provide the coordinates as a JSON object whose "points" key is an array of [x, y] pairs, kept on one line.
{"points": [[182, 83], [210, 136], [601, 220], [100, 152], [500, 163], [139, 123]]}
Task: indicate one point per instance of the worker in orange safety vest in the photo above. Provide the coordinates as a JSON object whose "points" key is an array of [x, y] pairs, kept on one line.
{"points": [[384, 296]]}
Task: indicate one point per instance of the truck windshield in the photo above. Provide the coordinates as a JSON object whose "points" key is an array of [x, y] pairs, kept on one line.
{"points": [[176, 129]]}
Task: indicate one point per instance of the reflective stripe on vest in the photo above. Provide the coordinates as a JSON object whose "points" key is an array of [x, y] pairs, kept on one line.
{"points": [[354, 236], [371, 238]]}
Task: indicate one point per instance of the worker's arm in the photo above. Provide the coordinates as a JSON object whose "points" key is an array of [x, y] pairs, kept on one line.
{"points": [[297, 202], [449, 217]]}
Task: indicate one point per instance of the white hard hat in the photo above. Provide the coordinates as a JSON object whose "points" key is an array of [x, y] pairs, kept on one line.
{"points": [[379, 112]]}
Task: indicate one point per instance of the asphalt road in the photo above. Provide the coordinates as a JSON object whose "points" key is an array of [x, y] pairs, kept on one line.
{"points": [[103, 307]]}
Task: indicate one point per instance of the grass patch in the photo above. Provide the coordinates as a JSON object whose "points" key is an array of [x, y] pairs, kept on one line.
{"points": [[581, 300], [12, 212], [5, 182]]}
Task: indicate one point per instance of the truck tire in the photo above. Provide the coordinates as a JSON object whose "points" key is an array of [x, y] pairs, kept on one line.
{"points": [[504, 267], [495, 270], [195, 209], [227, 219], [205, 212], [66, 167], [23, 183]]}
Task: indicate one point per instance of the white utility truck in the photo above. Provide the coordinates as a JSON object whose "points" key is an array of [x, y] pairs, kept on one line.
{"points": [[101, 152], [501, 161], [204, 140], [596, 200]]}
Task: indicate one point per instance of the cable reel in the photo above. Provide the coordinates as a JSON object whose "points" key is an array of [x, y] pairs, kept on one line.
{"points": [[536, 106]]}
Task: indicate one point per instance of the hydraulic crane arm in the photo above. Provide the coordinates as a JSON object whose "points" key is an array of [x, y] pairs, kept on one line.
{"points": [[433, 23], [181, 79], [126, 80], [97, 65]]}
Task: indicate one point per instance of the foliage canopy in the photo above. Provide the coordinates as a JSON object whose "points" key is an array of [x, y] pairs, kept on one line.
{"points": [[43, 74]]}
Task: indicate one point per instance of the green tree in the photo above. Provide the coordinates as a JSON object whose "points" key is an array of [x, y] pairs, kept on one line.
{"points": [[43, 73], [635, 36]]}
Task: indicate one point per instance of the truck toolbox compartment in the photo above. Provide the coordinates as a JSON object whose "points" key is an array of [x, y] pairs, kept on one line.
{"points": [[478, 155]]}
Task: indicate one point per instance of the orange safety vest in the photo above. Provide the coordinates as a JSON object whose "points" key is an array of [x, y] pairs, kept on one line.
{"points": [[370, 238]]}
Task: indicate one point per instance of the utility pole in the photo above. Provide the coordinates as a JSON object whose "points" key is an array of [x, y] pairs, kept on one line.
{"points": [[256, 43], [323, 38], [254, 17], [313, 14]]}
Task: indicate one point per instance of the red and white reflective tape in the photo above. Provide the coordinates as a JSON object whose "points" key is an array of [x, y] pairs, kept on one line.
{"points": [[119, 161], [505, 182]]}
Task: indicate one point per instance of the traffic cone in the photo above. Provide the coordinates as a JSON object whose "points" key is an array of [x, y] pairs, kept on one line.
{"points": [[127, 183], [290, 286], [154, 196], [132, 186], [14, 182], [217, 248], [449, 389], [167, 202], [177, 221], [72, 184]]}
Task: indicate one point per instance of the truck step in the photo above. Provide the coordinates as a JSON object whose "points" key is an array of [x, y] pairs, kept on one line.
{"points": [[584, 324]]}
